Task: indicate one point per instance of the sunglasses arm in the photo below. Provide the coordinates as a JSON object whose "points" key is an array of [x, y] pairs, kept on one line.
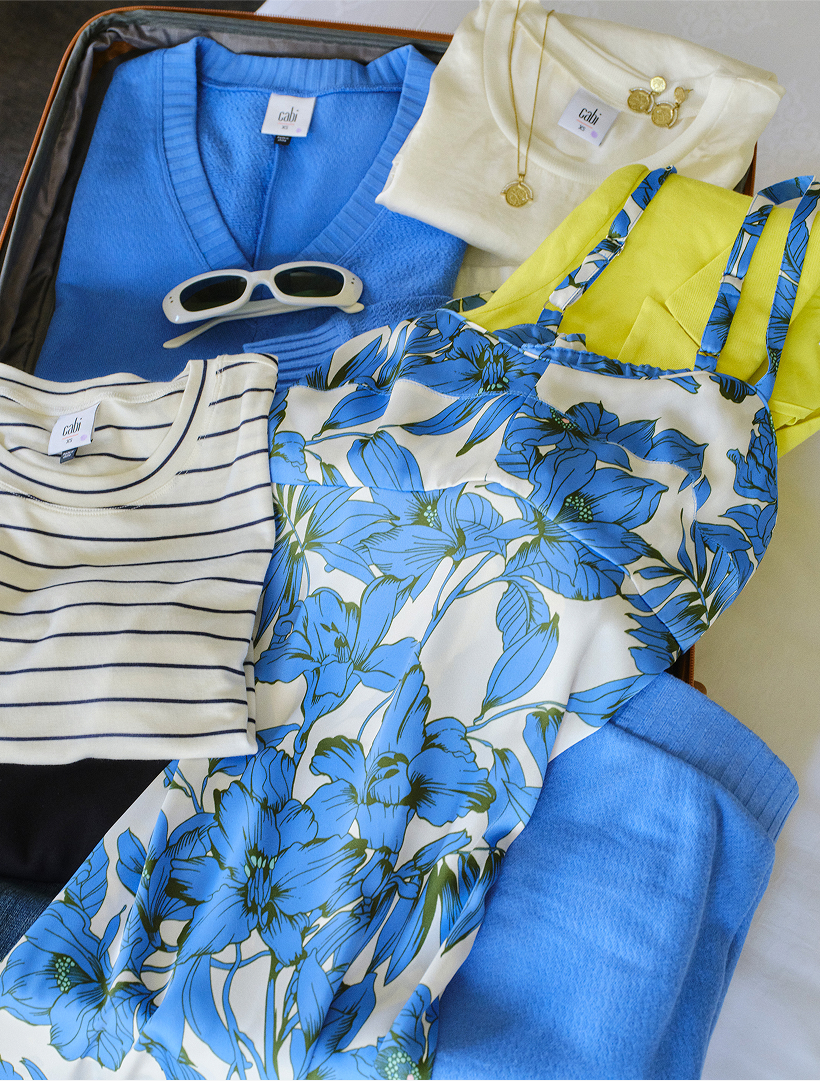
{"points": [[252, 310]]}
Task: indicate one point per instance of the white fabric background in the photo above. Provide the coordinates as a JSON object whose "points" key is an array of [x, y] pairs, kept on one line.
{"points": [[762, 660]]}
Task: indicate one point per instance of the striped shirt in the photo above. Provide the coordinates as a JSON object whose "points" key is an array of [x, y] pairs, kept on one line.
{"points": [[130, 574]]}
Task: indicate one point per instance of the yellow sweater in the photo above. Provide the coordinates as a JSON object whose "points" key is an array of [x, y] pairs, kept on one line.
{"points": [[652, 302]]}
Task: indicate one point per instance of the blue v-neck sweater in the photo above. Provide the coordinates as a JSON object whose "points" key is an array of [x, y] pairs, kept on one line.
{"points": [[179, 179]]}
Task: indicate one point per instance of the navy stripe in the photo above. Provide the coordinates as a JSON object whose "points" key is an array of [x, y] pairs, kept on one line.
{"points": [[133, 604], [236, 364], [225, 465], [144, 563], [230, 431], [110, 634], [132, 582], [127, 735], [124, 664], [85, 390], [130, 427], [140, 540], [241, 394], [200, 502]]}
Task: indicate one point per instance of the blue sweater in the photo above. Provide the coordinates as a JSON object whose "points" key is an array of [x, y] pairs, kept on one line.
{"points": [[616, 922], [179, 180]]}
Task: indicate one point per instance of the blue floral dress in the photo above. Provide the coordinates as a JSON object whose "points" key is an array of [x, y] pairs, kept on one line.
{"points": [[481, 537]]}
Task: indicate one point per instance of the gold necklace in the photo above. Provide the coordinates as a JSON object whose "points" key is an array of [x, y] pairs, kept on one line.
{"points": [[518, 193]]}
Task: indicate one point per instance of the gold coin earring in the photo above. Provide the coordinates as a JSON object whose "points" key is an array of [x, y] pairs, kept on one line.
{"points": [[641, 99], [519, 193], [664, 114]]}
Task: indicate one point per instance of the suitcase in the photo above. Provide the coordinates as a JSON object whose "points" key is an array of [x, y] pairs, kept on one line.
{"points": [[31, 239]]}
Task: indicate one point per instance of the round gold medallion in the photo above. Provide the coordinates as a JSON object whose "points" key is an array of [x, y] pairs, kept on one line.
{"points": [[664, 114], [639, 100], [518, 193], [657, 84]]}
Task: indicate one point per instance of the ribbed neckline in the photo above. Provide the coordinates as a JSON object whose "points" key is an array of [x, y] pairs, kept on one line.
{"points": [[183, 68], [54, 483]]}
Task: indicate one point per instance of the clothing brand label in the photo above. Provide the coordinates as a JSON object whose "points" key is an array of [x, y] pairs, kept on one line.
{"points": [[72, 431], [588, 117], [287, 115]]}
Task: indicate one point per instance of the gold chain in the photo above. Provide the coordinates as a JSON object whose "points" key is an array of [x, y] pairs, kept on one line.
{"points": [[518, 193]]}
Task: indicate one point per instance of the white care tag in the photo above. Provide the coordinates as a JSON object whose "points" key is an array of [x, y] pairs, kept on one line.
{"points": [[287, 115], [588, 117], [72, 430]]}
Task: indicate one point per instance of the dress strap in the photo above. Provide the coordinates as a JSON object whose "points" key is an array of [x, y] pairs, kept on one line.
{"points": [[717, 327], [577, 283]]}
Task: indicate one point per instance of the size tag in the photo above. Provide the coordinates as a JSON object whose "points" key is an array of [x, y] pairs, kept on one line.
{"points": [[588, 117], [72, 431], [288, 115]]}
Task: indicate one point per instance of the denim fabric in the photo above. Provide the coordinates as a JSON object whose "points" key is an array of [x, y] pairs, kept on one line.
{"points": [[20, 905]]}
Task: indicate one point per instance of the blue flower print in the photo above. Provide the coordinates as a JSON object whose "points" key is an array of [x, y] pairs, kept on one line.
{"points": [[434, 333], [257, 880], [420, 528], [407, 1050], [514, 798], [476, 366], [373, 370], [589, 426], [336, 645], [328, 521], [7, 1071], [757, 523], [426, 528], [297, 912], [555, 560], [579, 442], [756, 471], [732, 388], [582, 551], [287, 454], [415, 766], [91, 1012], [475, 369], [146, 874], [530, 636], [602, 512], [345, 1015], [660, 647]]}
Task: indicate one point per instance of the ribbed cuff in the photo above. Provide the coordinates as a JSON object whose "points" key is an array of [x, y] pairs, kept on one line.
{"points": [[685, 723]]}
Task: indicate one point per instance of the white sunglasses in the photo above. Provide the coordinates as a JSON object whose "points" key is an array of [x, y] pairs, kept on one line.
{"points": [[222, 295]]}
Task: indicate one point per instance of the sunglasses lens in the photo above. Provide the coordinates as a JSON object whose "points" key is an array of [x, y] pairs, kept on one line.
{"points": [[212, 292], [309, 281]]}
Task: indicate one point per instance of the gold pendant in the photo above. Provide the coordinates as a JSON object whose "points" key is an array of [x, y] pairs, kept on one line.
{"points": [[518, 193]]}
